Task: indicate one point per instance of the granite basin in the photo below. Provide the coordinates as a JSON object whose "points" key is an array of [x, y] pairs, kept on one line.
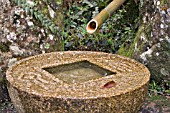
{"points": [[77, 82]]}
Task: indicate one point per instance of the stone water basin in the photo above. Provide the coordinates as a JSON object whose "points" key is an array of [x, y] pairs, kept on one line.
{"points": [[77, 82]]}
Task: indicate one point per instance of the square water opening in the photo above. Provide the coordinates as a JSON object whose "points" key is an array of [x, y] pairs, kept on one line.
{"points": [[78, 72]]}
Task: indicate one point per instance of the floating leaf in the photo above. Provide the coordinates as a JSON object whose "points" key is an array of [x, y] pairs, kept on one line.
{"points": [[109, 84]]}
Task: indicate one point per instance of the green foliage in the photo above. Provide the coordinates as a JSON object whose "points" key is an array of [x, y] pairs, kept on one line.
{"points": [[4, 47], [32, 9], [155, 88], [114, 32], [117, 30]]}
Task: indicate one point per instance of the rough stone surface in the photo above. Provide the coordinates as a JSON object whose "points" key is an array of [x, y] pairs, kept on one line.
{"points": [[32, 89], [151, 46], [21, 36]]}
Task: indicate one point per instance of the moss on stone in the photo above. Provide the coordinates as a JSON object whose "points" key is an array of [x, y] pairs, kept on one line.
{"points": [[4, 47], [138, 45], [129, 50]]}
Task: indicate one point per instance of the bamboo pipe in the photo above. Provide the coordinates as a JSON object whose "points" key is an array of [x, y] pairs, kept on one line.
{"points": [[103, 15]]}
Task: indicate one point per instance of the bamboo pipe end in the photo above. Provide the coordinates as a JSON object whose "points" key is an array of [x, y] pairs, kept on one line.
{"points": [[92, 26]]}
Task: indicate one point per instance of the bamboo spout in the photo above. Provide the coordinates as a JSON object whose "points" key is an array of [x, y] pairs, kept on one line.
{"points": [[103, 15]]}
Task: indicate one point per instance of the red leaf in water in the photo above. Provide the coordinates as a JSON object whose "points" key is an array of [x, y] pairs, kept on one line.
{"points": [[109, 85]]}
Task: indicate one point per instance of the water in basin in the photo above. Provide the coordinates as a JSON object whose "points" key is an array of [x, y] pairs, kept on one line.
{"points": [[78, 72]]}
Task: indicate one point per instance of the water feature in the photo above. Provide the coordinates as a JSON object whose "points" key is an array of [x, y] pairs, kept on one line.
{"points": [[78, 72], [77, 82]]}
